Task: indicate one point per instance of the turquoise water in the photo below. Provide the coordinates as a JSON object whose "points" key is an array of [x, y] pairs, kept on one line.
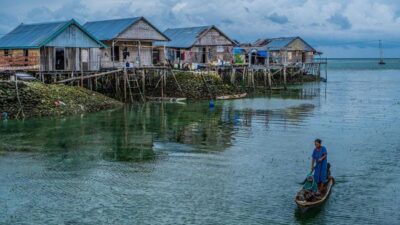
{"points": [[239, 163]]}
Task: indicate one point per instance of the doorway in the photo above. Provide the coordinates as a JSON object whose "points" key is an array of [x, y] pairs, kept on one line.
{"points": [[156, 56], [85, 59], [204, 56], [60, 59]]}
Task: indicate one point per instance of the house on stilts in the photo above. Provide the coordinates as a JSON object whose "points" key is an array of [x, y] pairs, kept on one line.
{"points": [[192, 47], [130, 42], [53, 46], [286, 50]]}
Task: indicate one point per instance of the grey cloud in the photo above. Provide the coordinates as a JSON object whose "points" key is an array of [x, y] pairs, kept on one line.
{"points": [[340, 20], [276, 18], [227, 21]]}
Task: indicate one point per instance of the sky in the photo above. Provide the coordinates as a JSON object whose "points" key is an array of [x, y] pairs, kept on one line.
{"points": [[338, 28]]}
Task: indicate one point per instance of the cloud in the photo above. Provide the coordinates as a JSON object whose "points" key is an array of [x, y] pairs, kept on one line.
{"points": [[276, 18], [227, 21], [178, 7], [317, 21], [340, 20]]}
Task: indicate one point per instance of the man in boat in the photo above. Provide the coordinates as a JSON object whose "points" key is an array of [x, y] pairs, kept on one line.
{"points": [[319, 164]]}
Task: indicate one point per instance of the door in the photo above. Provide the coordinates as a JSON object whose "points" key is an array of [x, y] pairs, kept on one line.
{"points": [[85, 59], [60, 59], [156, 56], [204, 56]]}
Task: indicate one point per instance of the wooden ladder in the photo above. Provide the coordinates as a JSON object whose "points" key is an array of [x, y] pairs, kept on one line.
{"points": [[133, 84]]}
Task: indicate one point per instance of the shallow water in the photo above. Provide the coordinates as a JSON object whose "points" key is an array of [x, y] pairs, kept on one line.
{"points": [[239, 163]]}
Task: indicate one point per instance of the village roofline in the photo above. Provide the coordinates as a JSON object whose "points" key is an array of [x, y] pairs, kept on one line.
{"points": [[50, 37], [135, 20], [204, 31]]}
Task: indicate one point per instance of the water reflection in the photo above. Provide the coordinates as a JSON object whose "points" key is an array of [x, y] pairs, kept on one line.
{"points": [[130, 133]]}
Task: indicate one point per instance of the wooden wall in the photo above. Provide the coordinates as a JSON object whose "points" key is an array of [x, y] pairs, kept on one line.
{"points": [[18, 58], [105, 55], [213, 54], [213, 38], [142, 31], [74, 58]]}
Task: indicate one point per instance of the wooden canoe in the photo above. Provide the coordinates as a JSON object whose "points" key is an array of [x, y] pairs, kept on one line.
{"points": [[304, 205], [226, 97], [166, 99]]}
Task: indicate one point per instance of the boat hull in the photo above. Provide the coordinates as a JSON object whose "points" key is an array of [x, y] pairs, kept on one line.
{"points": [[305, 205]]}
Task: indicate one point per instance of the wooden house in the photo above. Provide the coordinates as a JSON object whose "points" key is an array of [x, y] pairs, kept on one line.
{"points": [[130, 41], [55, 46], [287, 49], [193, 46]]}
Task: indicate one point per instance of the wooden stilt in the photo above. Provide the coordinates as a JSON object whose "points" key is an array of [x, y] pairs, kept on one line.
{"points": [[284, 77], [233, 76], [143, 85], [269, 79], [125, 84], [162, 85]]}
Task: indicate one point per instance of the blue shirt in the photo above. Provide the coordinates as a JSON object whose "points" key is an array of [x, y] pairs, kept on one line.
{"points": [[320, 171]]}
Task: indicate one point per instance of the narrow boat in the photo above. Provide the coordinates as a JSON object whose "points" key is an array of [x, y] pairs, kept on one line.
{"points": [[304, 205], [166, 99], [226, 97]]}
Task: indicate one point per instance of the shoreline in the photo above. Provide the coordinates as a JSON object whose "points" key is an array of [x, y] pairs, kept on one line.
{"points": [[41, 100]]}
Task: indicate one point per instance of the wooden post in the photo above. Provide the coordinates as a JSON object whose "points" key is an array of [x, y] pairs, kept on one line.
{"points": [[233, 74], [125, 83], [81, 74], [243, 76], [252, 79], [284, 77], [265, 77], [144, 85], [140, 53], [269, 79], [162, 84]]}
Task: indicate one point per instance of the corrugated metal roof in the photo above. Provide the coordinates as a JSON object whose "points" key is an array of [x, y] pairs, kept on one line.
{"points": [[182, 37], [30, 35], [281, 43], [36, 35], [109, 29]]}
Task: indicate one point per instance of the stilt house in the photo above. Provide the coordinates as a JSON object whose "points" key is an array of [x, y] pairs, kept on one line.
{"points": [[54, 46], [287, 49], [194, 46], [130, 42]]}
